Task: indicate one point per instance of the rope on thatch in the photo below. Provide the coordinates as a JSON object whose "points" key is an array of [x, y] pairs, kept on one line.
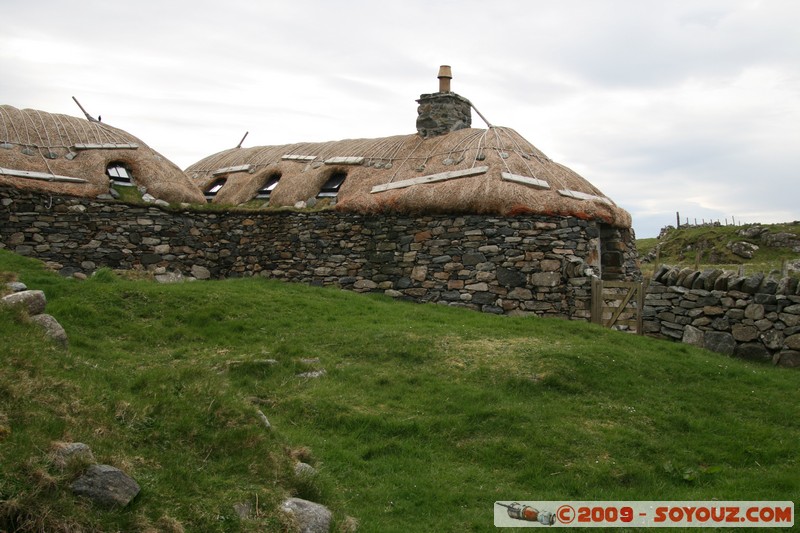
{"points": [[405, 161]]}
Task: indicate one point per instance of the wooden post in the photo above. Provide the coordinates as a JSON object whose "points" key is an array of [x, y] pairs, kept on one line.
{"points": [[640, 310], [597, 301], [678, 219], [243, 138], [89, 117]]}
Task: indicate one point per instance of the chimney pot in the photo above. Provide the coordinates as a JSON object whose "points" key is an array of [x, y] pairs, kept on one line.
{"points": [[445, 75]]}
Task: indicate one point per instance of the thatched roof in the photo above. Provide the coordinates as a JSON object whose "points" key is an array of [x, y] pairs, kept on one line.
{"points": [[477, 171], [69, 155]]}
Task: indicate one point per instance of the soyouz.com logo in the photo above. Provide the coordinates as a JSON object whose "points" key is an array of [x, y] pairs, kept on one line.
{"points": [[643, 514]]}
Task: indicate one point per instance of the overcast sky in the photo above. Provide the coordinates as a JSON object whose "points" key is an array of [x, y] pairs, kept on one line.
{"points": [[689, 106]]}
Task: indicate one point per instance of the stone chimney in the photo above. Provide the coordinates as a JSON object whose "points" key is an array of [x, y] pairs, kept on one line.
{"points": [[442, 112]]}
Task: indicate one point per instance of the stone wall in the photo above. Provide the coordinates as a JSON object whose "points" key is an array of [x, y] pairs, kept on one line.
{"points": [[526, 265], [754, 317]]}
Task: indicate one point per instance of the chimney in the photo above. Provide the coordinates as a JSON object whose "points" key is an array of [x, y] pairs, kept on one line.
{"points": [[445, 111], [445, 75]]}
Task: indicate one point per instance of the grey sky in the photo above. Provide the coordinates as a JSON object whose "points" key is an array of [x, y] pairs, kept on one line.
{"points": [[690, 106]]}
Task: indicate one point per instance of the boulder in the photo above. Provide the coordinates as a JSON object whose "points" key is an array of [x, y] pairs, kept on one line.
{"points": [[51, 327], [743, 249], [200, 272], [106, 486], [693, 336], [753, 351], [16, 286], [744, 333], [304, 470], [66, 453], [720, 342], [787, 358], [33, 301], [510, 278], [773, 339], [310, 517]]}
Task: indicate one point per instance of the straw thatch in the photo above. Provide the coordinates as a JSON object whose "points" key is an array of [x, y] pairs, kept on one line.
{"points": [[554, 189], [53, 146]]}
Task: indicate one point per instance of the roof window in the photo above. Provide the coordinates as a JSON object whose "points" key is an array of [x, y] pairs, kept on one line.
{"points": [[331, 187], [215, 187], [119, 173], [269, 186]]}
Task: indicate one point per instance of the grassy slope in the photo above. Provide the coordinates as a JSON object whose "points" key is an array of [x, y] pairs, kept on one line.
{"points": [[682, 246], [426, 416]]}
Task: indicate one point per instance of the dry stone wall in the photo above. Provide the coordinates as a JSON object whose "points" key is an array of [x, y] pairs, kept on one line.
{"points": [[527, 265], [755, 317]]}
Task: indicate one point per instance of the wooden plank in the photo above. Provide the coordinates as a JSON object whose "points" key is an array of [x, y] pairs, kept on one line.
{"points": [[640, 310], [525, 180], [40, 176], [431, 178], [578, 195], [344, 161], [295, 157], [597, 293], [620, 284], [228, 170], [106, 146], [621, 307]]}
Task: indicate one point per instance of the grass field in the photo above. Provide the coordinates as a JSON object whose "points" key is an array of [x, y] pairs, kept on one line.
{"points": [[425, 417]]}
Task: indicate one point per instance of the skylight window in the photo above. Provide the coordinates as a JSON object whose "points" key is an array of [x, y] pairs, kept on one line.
{"points": [[119, 173], [215, 187], [331, 187], [269, 186]]}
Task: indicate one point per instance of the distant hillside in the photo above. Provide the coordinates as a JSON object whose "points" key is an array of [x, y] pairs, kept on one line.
{"points": [[754, 247]]}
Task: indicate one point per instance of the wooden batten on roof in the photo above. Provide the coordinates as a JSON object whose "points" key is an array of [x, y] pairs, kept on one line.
{"points": [[345, 161], [525, 180], [432, 178], [105, 146], [40, 176], [578, 195], [294, 157], [230, 170]]}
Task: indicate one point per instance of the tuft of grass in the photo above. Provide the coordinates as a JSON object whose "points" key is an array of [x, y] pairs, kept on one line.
{"points": [[422, 408]]}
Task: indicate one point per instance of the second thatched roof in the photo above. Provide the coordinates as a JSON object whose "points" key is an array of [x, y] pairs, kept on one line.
{"points": [[67, 155], [469, 171]]}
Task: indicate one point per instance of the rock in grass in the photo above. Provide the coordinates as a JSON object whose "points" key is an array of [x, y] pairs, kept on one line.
{"points": [[34, 301], [106, 486], [52, 328], [314, 374], [310, 517], [304, 470], [264, 419], [66, 453], [16, 286]]}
